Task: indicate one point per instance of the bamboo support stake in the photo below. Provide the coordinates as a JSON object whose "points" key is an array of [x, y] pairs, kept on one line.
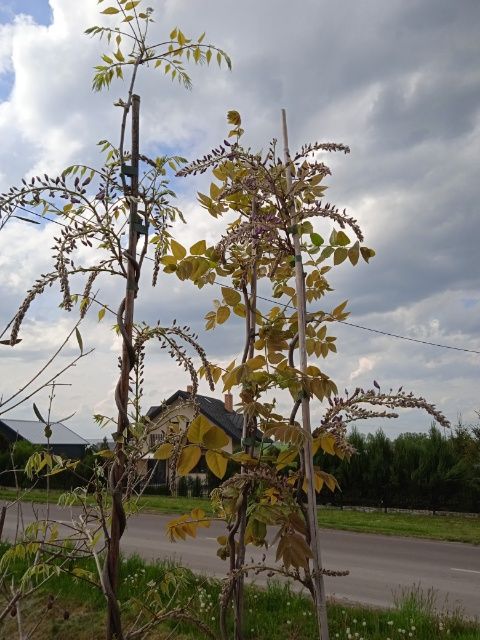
{"points": [[317, 574]]}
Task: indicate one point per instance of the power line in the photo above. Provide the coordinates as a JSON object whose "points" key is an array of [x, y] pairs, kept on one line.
{"points": [[396, 335], [350, 324]]}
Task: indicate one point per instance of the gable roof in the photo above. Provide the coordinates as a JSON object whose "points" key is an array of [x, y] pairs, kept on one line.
{"points": [[34, 432], [212, 408]]}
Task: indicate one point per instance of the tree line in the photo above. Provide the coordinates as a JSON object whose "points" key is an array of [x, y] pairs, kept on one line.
{"points": [[438, 470]]}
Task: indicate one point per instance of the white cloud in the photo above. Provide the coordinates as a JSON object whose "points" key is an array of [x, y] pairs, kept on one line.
{"points": [[378, 77], [365, 364]]}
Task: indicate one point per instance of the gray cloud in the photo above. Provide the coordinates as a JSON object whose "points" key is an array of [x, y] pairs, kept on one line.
{"points": [[397, 81]]}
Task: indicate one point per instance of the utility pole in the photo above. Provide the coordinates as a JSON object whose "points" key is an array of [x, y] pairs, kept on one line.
{"points": [[125, 317], [317, 574]]}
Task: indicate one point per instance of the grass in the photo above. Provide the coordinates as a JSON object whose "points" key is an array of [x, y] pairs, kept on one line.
{"points": [[272, 613], [452, 528], [435, 527]]}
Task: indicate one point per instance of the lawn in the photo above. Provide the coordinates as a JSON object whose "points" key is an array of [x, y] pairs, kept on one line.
{"points": [[435, 527], [272, 613]]}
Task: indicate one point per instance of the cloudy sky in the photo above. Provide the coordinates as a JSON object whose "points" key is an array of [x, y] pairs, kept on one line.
{"points": [[397, 81]]}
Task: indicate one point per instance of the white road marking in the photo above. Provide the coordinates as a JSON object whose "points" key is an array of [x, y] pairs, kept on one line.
{"points": [[464, 570]]}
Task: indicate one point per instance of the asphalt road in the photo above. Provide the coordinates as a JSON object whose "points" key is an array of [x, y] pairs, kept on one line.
{"points": [[379, 566]]}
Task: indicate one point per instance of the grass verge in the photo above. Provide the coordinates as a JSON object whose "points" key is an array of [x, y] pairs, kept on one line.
{"points": [[450, 528], [272, 613]]}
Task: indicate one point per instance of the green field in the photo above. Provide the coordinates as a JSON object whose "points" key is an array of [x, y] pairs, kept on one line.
{"points": [[435, 527]]}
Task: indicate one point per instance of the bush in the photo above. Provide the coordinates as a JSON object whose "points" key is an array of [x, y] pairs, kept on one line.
{"points": [[197, 489], [182, 487]]}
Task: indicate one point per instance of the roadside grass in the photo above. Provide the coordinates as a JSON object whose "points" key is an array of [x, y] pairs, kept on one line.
{"points": [[273, 613], [434, 527]]}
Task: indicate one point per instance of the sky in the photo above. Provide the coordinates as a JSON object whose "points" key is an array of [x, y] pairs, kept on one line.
{"points": [[399, 82]]}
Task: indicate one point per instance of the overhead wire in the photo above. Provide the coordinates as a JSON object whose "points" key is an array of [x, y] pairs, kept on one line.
{"points": [[345, 322]]}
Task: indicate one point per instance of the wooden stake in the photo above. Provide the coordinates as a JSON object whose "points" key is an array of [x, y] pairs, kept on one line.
{"points": [[317, 575], [125, 322]]}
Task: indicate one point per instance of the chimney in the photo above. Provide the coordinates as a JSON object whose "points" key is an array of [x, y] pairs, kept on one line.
{"points": [[190, 389], [229, 402]]}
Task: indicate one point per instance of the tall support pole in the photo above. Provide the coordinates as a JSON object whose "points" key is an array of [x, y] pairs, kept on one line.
{"points": [[248, 441], [317, 574], [125, 317]]}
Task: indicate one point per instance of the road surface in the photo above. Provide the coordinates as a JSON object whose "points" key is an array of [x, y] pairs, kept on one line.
{"points": [[379, 566]]}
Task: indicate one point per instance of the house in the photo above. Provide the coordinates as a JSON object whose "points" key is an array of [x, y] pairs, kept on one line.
{"points": [[63, 440], [179, 408]]}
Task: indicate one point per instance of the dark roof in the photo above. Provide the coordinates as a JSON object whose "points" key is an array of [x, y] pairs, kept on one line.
{"points": [[212, 408], [34, 432]]}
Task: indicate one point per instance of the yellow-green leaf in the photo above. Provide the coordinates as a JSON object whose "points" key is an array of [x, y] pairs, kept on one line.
{"points": [[239, 310], [177, 249], [164, 451], [101, 313], [198, 428], [188, 459], [340, 255], [216, 463], [286, 457], [231, 296], [233, 117], [256, 363], [223, 313], [199, 248], [342, 239], [326, 442], [215, 438], [110, 10]]}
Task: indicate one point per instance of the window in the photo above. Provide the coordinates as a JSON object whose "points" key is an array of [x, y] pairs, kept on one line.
{"points": [[155, 439]]}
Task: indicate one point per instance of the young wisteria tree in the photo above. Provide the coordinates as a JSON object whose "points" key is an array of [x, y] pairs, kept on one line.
{"points": [[93, 206], [254, 263]]}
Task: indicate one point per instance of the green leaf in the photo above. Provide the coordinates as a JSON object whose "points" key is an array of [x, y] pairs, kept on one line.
{"points": [[316, 239], [131, 5], [110, 10], [38, 414], [79, 339], [101, 314]]}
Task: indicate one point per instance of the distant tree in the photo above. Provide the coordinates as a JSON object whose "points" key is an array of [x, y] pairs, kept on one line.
{"points": [[378, 480]]}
